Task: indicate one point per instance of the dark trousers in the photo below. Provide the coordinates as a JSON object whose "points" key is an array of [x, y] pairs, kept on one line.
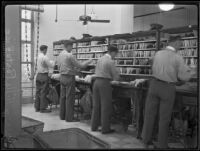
{"points": [[102, 104], [160, 99], [67, 97], [139, 98], [42, 85]]}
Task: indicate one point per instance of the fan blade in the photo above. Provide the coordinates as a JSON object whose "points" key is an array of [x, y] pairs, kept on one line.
{"points": [[100, 21], [69, 20]]}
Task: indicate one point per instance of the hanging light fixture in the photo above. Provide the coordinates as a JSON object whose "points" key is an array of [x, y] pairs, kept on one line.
{"points": [[166, 7]]}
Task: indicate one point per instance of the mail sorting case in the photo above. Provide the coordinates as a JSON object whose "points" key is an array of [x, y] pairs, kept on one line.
{"points": [[73, 138], [32, 126]]}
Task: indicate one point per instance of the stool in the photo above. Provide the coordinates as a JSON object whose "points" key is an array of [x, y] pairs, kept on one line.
{"points": [[77, 107]]}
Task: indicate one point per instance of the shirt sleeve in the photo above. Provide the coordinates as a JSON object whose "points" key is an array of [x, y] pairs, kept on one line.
{"points": [[114, 71], [49, 62], [184, 73], [75, 63]]}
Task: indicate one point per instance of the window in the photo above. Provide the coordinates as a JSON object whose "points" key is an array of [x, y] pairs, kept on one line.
{"points": [[27, 51], [26, 14], [25, 78], [25, 31]]}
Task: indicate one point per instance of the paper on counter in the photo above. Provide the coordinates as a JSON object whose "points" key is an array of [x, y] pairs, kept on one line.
{"points": [[55, 76], [136, 82], [88, 78], [114, 82]]}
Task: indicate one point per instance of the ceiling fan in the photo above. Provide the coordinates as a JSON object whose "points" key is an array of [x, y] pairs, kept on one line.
{"points": [[84, 18]]}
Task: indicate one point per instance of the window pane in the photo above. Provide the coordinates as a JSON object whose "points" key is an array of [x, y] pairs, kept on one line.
{"points": [[26, 68], [26, 14], [26, 82], [26, 31], [26, 52]]}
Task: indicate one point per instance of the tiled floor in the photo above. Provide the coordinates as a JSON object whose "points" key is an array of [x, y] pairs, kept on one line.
{"points": [[120, 139], [117, 140]]}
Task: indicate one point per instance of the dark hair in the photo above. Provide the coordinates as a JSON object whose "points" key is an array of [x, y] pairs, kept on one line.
{"points": [[68, 42], [43, 47], [112, 48], [72, 38], [174, 38]]}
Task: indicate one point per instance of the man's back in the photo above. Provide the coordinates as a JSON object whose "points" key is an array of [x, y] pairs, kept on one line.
{"points": [[65, 64], [105, 68], [165, 66], [44, 63]]}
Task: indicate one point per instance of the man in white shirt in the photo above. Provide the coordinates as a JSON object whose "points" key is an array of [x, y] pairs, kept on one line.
{"points": [[44, 64], [168, 69]]}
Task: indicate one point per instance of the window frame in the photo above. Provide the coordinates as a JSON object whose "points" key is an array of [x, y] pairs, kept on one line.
{"points": [[30, 31], [31, 42]]}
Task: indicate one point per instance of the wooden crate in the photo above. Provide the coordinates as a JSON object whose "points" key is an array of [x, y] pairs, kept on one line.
{"points": [[72, 138], [32, 126]]}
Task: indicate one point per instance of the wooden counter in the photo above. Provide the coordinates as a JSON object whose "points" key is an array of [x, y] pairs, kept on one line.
{"points": [[126, 90], [185, 96]]}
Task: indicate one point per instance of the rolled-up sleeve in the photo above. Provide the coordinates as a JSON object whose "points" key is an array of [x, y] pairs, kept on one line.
{"points": [[184, 72]]}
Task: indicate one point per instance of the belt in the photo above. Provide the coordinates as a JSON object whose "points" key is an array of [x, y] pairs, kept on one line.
{"points": [[102, 78], [69, 75], [43, 73], [174, 83]]}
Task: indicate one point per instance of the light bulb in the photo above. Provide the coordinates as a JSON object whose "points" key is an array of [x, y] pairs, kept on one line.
{"points": [[166, 7]]}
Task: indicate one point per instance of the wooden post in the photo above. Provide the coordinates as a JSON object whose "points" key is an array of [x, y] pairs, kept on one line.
{"points": [[32, 55]]}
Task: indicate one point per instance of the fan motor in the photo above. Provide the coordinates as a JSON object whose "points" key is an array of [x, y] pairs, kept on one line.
{"points": [[84, 18]]}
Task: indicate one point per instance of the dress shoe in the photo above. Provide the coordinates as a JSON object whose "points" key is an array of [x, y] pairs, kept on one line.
{"points": [[45, 111], [139, 137], [109, 132], [95, 130], [148, 144], [74, 120], [37, 110]]}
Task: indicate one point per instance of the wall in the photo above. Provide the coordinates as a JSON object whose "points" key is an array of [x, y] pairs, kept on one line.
{"points": [[120, 16], [12, 71], [168, 19]]}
